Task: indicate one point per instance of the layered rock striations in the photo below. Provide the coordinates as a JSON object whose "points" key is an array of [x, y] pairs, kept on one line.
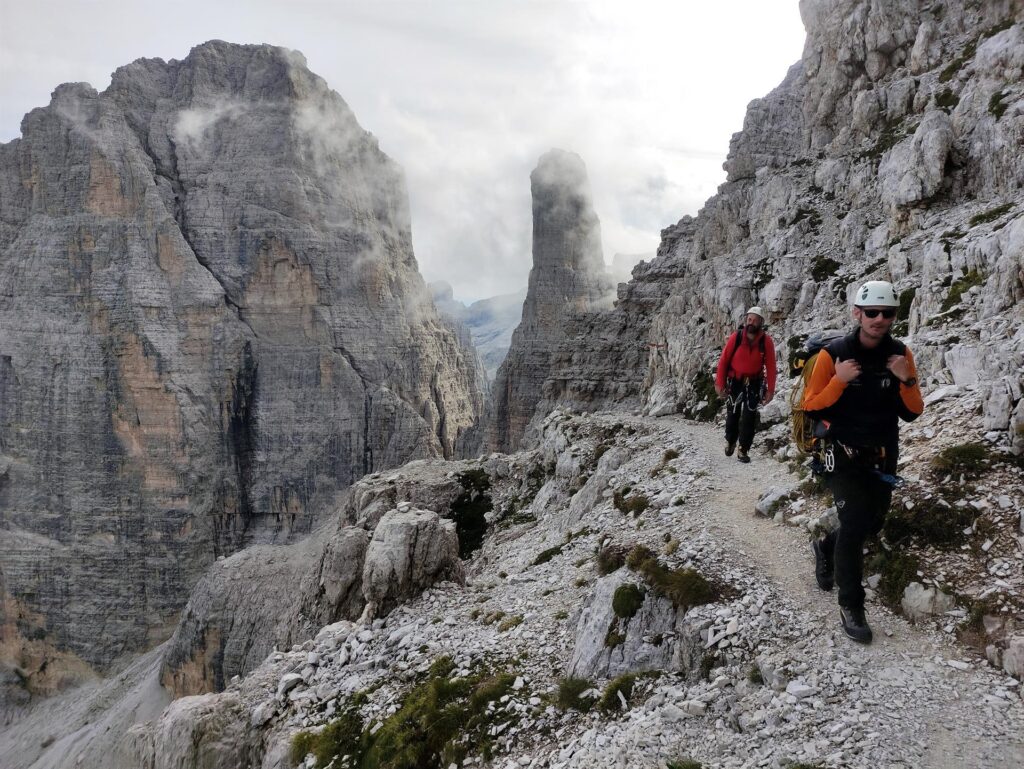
{"points": [[568, 277], [211, 321]]}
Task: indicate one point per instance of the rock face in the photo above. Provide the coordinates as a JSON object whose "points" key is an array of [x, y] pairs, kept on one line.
{"points": [[889, 151], [490, 321], [568, 276], [211, 321], [655, 638]]}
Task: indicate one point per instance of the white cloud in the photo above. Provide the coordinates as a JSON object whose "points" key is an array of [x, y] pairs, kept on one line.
{"points": [[466, 95]]}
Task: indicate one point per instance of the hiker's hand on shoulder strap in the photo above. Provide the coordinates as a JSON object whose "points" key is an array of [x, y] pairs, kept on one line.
{"points": [[720, 391], [899, 366], [848, 370]]}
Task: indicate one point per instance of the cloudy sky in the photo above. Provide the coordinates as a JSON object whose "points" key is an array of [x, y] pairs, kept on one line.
{"points": [[467, 94]]}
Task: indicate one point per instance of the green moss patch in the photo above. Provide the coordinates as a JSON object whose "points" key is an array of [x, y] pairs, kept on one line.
{"points": [[546, 555], [897, 569], [633, 505], [610, 698], [703, 388], [614, 637], [1004, 25], [961, 287], [949, 72], [683, 587], [991, 215], [947, 100], [928, 523], [570, 692], [510, 622], [627, 600], [610, 558], [823, 268], [996, 105], [812, 217]]}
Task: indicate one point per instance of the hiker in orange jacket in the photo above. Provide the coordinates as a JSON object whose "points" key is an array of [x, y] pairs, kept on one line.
{"points": [[862, 384], [746, 379]]}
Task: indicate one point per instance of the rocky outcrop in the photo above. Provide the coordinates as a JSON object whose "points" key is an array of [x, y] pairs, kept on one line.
{"points": [[211, 321], [568, 276], [655, 637], [378, 552], [410, 550]]}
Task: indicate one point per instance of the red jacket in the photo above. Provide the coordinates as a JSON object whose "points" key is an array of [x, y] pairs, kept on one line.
{"points": [[748, 360]]}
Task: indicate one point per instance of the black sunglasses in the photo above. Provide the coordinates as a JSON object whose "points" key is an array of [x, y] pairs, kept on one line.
{"points": [[887, 314]]}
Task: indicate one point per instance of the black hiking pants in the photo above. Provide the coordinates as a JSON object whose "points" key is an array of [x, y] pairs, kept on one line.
{"points": [[862, 500], [741, 404]]}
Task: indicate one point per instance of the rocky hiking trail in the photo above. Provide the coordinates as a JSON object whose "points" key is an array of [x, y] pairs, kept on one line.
{"points": [[949, 719], [761, 676]]}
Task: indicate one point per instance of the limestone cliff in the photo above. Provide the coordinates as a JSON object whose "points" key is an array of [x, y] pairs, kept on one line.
{"points": [[211, 321], [891, 150], [568, 276]]}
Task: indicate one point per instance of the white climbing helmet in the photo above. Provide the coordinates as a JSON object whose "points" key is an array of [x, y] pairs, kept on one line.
{"points": [[876, 293], [756, 311]]}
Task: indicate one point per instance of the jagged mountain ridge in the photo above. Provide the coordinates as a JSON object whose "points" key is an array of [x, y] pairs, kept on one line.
{"points": [[891, 150], [707, 269], [211, 321]]}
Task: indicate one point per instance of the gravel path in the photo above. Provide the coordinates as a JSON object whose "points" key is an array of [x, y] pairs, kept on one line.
{"points": [[952, 716]]}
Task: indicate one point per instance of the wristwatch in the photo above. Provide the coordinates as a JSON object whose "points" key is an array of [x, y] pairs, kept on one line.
{"points": [[909, 382]]}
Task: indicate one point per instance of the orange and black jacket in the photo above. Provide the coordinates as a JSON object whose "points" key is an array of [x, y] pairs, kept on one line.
{"points": [[866, 411]]}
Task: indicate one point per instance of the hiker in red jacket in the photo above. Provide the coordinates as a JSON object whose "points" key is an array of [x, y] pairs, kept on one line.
{"points": [[746, 379]]}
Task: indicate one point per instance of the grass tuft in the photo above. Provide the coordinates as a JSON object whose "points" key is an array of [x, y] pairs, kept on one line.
{"points": [[967, 459], [610, 558], [996, 105], [627, 601], [610, 698], [441, 721], [569, 691], [961, 287], [991, 215], [546, 555], [954, 66]]}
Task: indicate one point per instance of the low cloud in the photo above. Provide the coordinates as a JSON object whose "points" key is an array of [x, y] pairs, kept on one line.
{"points": [[466, 97]]}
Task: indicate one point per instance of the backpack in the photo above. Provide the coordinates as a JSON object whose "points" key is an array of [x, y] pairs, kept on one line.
{"points": [[801, 364]]}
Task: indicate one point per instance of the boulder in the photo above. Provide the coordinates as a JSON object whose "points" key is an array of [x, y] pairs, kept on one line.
{"points": [[409, 551], [920, 603]]}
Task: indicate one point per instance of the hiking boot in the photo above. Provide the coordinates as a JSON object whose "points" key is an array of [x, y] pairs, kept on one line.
{"points": [[822, 565], [742, 455], [730, 447], [855, 624]]}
